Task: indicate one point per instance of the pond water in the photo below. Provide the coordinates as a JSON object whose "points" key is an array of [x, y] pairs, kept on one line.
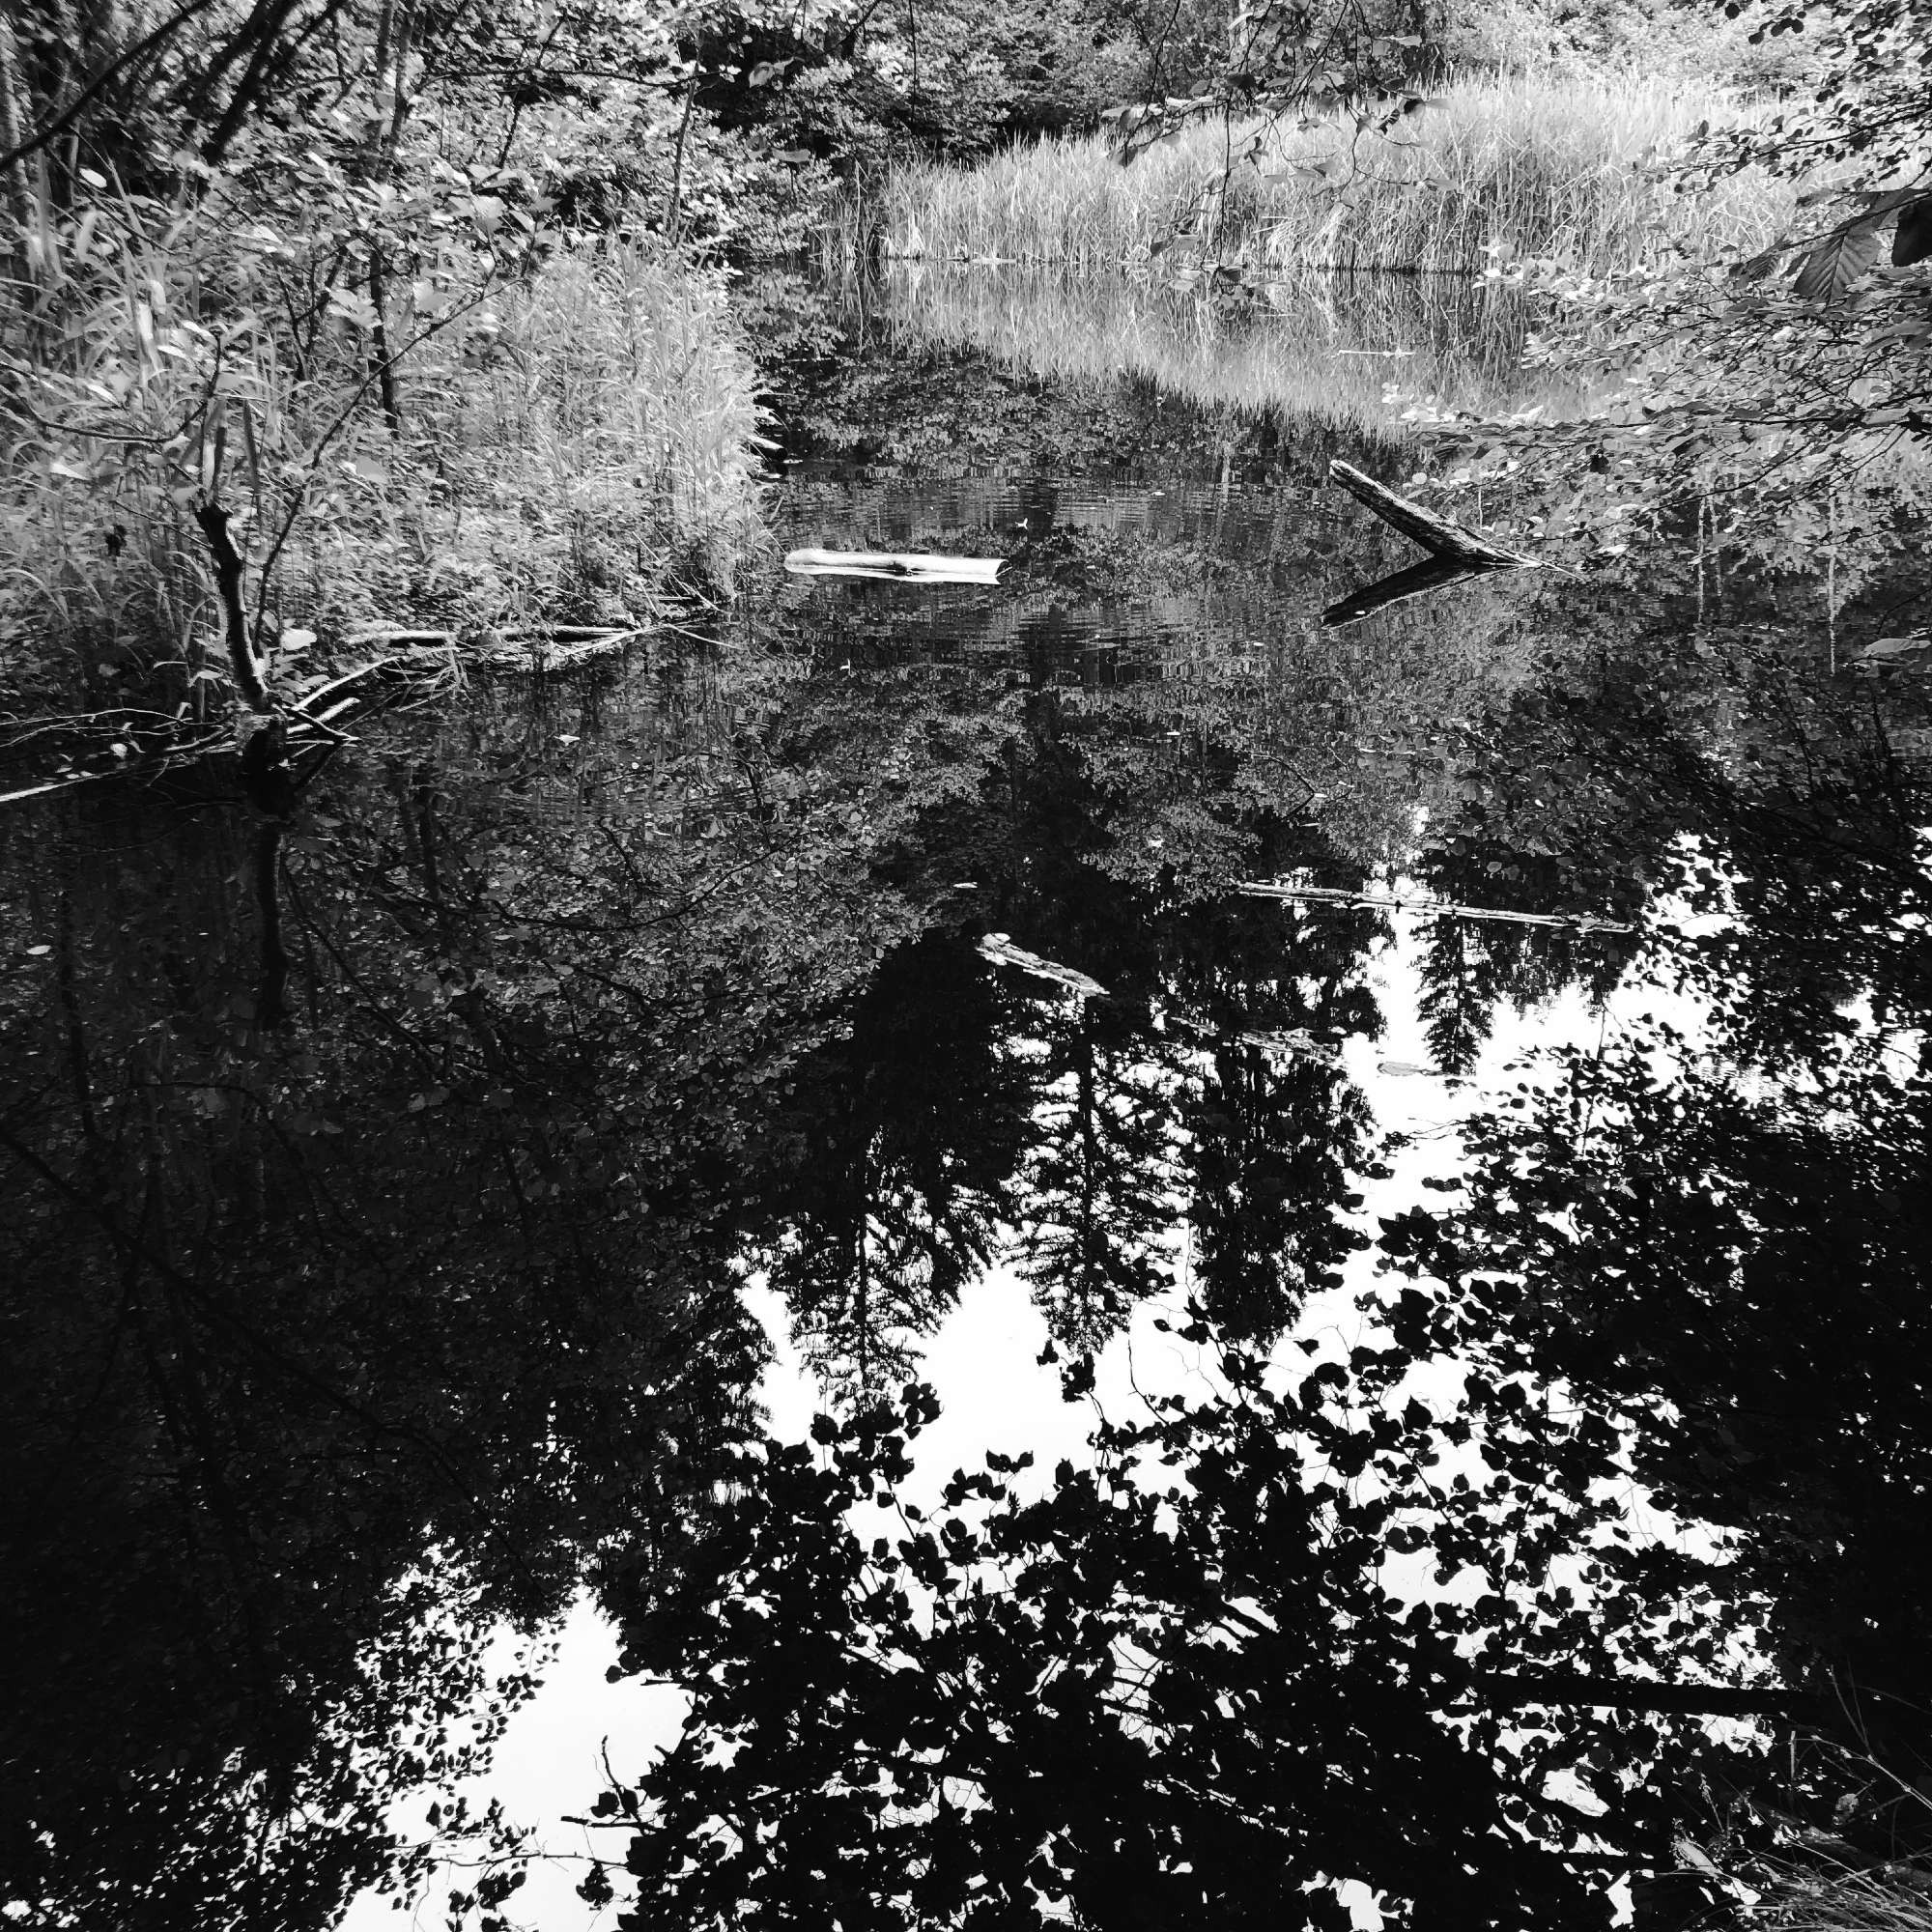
{"points": [[397, 1197]]}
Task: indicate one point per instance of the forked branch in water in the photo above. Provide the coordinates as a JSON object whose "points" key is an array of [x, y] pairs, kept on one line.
{"points": [[1455, 552], [1441, 538]]}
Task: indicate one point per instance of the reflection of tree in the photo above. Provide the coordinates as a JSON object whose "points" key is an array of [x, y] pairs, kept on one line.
{"points": [[1727, 774], [893, 1152], [334, 1344], [1731, 1284], [1096, 1198], [1275, 1129], [1181, 1689]]}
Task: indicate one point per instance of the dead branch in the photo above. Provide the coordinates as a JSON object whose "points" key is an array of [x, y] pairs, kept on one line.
{"points": [[1450, 542], [250, 678]]}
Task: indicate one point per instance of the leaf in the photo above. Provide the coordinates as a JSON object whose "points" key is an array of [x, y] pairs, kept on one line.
{"points": [[1835, 264], [1913, 240], [1886, 649]]}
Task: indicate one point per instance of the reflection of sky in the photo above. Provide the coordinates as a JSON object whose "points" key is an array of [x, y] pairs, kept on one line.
{"points": [[995, 1394]]}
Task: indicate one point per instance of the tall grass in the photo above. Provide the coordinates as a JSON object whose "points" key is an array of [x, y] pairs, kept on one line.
{"points": [[568, 440], [1517, 169], [590, 436], [1353, 355]]}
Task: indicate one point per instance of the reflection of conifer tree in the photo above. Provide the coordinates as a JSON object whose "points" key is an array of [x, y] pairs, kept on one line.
{"points": [[1097, 1193], [1456, 1007], [901, 1140], [1274, 1139], [1274, 1129]]}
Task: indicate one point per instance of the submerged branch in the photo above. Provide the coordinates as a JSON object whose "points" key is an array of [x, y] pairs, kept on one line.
{"points": [[1428, 908]]}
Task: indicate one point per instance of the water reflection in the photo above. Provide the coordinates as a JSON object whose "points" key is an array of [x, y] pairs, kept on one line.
{"points": [[1348, 351], [382, 1189]]}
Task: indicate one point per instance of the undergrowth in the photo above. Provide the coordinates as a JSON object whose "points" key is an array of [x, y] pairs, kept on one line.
{"points": [[572, 435]]}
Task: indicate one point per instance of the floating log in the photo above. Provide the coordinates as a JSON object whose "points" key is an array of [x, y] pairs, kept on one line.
{"points": [[1447, 541], [1001, 949], [1429, 908], [915, 567]]}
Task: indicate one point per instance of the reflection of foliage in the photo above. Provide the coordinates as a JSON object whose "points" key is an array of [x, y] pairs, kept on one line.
{"points": [[390, 1311], [1180, 1687], [1737, 1281]]}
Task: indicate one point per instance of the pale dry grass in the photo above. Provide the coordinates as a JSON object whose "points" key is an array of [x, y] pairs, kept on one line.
{"points": [[1568, 170], [569, 441]]}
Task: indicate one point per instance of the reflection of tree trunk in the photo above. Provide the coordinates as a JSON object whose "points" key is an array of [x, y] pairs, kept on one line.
{"points": [[270, 997], [470, 1004], [77, 1038], [1086, 1102], [1418, 580]]}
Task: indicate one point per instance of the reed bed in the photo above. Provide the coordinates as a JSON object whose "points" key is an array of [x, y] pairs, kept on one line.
{"points": [[595, 434], [1522, 168], [1354, 354], [572, 440]]}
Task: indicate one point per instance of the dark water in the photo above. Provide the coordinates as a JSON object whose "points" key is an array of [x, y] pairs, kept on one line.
{"points": [[380, 1189]]}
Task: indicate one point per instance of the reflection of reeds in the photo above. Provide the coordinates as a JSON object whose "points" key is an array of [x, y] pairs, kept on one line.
{"points": [[1515, 169], [1353, 352]]}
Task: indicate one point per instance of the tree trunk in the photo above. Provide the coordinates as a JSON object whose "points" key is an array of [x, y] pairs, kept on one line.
{"points": [[1437, 535], [14, 120]]}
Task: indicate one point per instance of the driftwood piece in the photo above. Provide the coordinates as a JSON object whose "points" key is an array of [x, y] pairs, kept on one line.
{"points": [[1449, 542], [910, 566], [1000, 948], [1429, 908]]}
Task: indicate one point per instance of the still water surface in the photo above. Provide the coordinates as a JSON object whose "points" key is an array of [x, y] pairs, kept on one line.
{"points": [[393, 1197]]}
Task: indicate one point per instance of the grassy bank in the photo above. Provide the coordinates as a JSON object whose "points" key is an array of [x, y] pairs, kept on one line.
{"points": [[1513, 169], [562, 442]]}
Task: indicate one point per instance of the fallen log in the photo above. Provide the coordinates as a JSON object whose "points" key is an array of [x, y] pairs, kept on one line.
{"points": [[1424, 907], [537, 651], [1437, 535], [911, 566], [1001, 951]]}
